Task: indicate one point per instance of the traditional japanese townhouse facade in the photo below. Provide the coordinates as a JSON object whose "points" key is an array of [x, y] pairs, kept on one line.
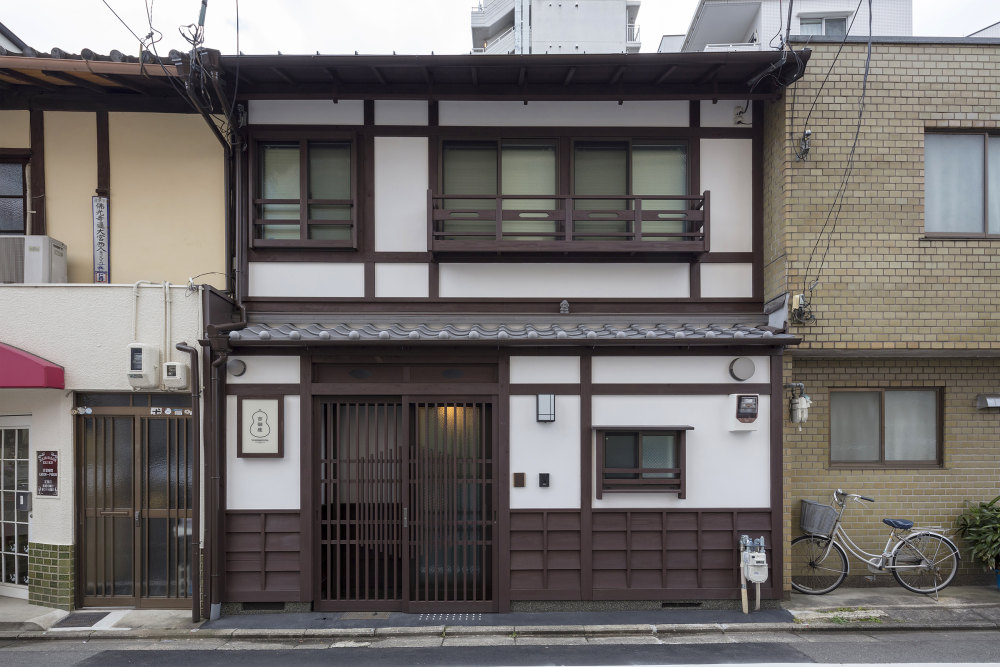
{"points": [[501, 335], [899, 329], [111, 199]]}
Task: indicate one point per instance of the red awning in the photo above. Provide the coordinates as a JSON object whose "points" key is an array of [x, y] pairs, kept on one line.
{"points": [[22, 370]]}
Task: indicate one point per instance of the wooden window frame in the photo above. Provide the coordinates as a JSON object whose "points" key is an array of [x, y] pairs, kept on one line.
{"points": [[882, 463], [984, 234], [643, 485], [568, 242], [304, 137], [21, 159]]}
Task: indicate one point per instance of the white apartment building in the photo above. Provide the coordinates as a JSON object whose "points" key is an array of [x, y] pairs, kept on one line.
{"points": [[555, 26], [751, 25]]}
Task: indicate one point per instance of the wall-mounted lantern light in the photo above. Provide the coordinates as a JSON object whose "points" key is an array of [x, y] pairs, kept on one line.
{"points": [[546, 408]]}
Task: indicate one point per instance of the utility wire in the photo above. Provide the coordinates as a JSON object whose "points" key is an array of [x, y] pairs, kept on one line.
{"points": [[833, 214]]}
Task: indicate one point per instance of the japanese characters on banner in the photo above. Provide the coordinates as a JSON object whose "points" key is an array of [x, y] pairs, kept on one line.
{"points": [[102, 241], [48, 474]]}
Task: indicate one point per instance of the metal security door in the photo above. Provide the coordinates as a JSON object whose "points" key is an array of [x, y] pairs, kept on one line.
{"points": [[451, 500], [135, 510], [406, 500]]}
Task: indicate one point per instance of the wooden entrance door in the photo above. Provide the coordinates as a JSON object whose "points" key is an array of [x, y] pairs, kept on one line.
{"points": [[406, 505], [135, 500]]}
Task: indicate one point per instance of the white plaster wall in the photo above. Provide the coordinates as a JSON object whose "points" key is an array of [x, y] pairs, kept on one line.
{"points": [[306, 112], [267, 370], [726, 280], [46, 414], [402, 280], [401, 184], [86, 328], [723, 469], [674, 370], [565, 281], [307, 279], [400, 112], [727, 171], [722, 114], [259, 483], [637, 113], [552, 447], [545, 370]]}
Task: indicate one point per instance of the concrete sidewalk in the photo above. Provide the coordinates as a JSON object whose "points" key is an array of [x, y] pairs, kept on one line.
{"points": [[872, 609]]}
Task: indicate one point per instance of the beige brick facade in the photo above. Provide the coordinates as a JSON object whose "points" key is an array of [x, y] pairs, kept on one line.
{"points": [[893, 308]]}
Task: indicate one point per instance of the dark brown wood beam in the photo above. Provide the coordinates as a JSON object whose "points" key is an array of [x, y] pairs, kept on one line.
{"points": [[475, 75], [103, 155], [76, 81], [666, 74], [616, 76], [124, 82], [569, 76], [710, 75], [24, 78], [378, 75], [522, 76], [36, 125], [284, 77]]}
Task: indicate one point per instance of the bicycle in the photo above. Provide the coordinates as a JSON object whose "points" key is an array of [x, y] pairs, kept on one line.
{"points": [[920, 559]]}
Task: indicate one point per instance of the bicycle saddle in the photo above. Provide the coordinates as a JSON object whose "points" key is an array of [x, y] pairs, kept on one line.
{"points": [[901, 524]]}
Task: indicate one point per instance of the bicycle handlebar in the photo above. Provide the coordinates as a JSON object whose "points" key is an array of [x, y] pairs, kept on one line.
{"points": [[839, 496]]}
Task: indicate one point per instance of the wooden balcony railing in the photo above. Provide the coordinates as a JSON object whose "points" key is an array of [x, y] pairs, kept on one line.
{"points": [[676, 224]]}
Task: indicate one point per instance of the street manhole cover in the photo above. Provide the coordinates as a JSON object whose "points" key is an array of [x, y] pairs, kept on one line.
{"points": [[364, 615], [81, 619]]}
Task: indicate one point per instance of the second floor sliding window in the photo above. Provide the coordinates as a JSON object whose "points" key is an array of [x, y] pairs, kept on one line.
{"points": [[12, 198], [304, 193], [962, 184], [520, 180]]}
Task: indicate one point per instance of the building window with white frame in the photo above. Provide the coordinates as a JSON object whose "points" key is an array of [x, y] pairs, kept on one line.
{"points": [[831, 26], [961, 184], [885, 428]]}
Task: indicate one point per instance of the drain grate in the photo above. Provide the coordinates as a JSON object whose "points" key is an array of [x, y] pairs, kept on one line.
{"points": [[364, 615], [451, 617], [81, 619]]}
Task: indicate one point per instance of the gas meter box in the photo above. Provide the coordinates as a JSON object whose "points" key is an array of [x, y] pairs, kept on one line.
{"points": [[755, 566], [744, 412]]}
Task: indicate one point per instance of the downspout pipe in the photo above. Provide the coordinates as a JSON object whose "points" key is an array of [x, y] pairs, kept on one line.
{"points": [[218, 461], [196, 496]]}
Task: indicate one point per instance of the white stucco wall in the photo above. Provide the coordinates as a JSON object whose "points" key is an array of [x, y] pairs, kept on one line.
{"points": [[307, 279], [401, 184], [402, 280], [674, 370], [552, 447], [400, 112], [636, 113], [306, 112], [544, 370], [565, 281], [727, 171], [263, 483], [724, 469], [267, 370]]}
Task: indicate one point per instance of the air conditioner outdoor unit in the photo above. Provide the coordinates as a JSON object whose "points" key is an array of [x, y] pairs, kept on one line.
{"points": [[32, 259]]}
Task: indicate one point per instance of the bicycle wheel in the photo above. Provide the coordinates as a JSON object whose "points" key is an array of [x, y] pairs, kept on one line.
{"points": [[816, 569], [924, 563]]}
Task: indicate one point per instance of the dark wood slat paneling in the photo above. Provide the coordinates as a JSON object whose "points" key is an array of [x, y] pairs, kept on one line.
{"points": [[263, 556]]}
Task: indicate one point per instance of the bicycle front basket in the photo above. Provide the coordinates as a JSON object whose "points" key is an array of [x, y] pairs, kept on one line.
{"points": [[817, 518]]}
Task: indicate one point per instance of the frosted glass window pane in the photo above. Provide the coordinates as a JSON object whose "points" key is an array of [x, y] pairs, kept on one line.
{"points": [[620, 452], [11, 179], [659, 451], [279, 171], [600, 169], [811, 27], [12, 215], [836, 27], [993, 169], [528, 170], [330, 171], [470, 169], [953, 183], [910, 426], [854, 426], [659, 170]]}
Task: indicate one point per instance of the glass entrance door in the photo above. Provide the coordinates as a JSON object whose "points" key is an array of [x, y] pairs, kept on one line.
{"points": [[135, 508]]}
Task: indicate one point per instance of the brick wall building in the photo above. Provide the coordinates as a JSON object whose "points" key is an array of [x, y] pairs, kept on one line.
{"points": [[905, 334]]}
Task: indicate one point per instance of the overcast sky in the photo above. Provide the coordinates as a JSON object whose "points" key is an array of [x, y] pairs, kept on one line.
{"points": [[346, 26]]}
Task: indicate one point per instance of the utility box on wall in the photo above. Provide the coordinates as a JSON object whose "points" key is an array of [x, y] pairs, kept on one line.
{"points": [[743, 412], [143, 366]]}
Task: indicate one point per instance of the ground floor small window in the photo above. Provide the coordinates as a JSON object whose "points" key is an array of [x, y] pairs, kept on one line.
{"points": [[641, 460], [894, 428]]}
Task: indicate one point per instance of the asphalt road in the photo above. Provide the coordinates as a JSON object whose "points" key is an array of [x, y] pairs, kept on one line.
{"points": [[895, 647]]}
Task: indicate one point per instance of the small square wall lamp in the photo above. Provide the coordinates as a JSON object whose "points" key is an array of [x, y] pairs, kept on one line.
{"points": [[546, 408]]}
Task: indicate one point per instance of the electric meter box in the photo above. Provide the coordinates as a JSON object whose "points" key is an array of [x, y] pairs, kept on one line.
{"points": [[175, 375], [143, 366], [744, 412]]}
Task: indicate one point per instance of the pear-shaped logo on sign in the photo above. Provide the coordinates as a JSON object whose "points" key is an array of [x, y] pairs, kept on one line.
{"points": [[259, 428]]}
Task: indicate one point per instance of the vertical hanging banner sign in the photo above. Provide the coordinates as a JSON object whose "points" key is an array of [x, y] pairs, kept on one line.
{"points": [[48, 474], [102, 240]]}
